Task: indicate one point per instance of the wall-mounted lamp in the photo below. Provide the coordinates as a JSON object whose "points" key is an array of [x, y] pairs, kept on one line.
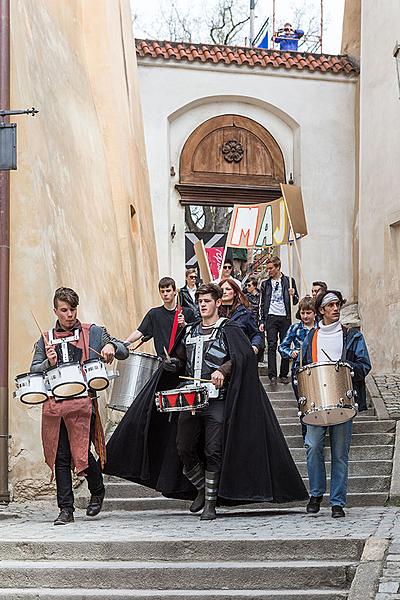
{"points": [[396, 54]]}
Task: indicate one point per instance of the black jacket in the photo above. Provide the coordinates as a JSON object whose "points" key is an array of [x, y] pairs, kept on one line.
{"points": [[186, 300], [256, 466], [266, 293]]}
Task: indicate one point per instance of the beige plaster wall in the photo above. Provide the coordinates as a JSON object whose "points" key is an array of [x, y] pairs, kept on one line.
{"points": [[81, 165], [351, 28], [379, 218]]}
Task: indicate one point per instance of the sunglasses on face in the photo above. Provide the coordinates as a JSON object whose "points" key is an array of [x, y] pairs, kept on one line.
{"points": [[227, 267], [192, 277]]}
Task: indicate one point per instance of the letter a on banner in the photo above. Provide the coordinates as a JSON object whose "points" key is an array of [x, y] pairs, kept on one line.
{"points": [[245, 225], [264, 237]]}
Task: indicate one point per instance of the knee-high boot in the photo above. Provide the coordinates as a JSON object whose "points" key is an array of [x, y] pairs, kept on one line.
{"points": [[212, 481], [196, 477]]}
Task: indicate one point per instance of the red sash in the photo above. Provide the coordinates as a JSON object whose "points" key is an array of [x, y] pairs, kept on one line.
{"points": [[174, 328]]}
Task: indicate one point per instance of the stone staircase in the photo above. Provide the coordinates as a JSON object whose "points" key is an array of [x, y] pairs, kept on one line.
{"points": [[208, 561], [370, 465], [208, 569]]}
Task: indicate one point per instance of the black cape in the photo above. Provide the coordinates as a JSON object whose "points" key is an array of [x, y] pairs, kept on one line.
{"points": [[257, 465]]}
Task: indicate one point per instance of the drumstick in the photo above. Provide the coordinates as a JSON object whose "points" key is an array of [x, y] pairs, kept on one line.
{"points": [[327, 355], [144, 339], [95, 351], [38, 326], [195, 379], [167, 354]]}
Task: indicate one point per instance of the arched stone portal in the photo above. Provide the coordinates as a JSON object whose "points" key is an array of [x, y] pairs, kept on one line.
{"points": [[230, 159]]}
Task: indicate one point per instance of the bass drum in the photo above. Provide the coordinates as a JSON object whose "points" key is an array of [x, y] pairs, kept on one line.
{"points": [[326, 394], [134, 373]]}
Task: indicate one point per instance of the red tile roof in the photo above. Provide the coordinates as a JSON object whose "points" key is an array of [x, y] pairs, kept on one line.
{"points": [[250, 57]]}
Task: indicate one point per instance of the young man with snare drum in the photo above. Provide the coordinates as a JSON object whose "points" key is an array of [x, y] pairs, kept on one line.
{"points": [[332, 340], [70, 425], [231, 451]]}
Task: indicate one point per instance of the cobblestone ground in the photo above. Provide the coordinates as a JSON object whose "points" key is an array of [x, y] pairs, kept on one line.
{"points": [[33, 521], [389, 388]]}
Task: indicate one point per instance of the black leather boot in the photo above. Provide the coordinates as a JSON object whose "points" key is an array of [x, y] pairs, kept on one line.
{"points": [[95, 504], [212, 481], [66, 516], [314, 504], [196, 476]]}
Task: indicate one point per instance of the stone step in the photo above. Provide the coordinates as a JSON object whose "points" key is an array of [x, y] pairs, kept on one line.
{"points": [[184, 549], [356, 497], [356, 468], [358, 439], [358, 427], [361, 484], [127, 594], [137, 503], [312, 574], [364, 452], [125, 489]]}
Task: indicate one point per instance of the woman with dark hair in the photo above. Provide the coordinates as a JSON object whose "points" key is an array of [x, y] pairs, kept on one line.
{"points": [[235, 307]]}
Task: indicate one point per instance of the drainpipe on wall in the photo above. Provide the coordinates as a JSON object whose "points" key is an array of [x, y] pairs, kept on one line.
{"points": [[4, 254]]}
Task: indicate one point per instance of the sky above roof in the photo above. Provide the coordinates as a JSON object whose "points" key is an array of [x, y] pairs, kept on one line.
{"points": [[149, 21]]}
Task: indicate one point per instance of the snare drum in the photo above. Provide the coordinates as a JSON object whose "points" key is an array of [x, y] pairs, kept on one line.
{"points": [[326, 395], [189, 397], [134, 373], [66, 380], [96, 374], [31, 388]]}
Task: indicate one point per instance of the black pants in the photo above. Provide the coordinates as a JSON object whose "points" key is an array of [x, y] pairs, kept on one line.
{"points": [[208, 423], [276, 325], [94, 477]]}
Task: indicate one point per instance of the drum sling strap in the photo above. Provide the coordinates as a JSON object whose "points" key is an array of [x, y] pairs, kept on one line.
{"points": [[178, 311]]}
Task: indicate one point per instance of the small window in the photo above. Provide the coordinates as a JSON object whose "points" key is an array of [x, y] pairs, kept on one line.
{"points": [[134, 224]]}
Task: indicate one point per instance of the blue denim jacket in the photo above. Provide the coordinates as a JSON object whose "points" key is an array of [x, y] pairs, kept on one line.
{"points": [[296, 334]]}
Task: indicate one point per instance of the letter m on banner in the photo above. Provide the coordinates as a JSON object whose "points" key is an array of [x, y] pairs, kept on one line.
{"points": [[244, 228]]}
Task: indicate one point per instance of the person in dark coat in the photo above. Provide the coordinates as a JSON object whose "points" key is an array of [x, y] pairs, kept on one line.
{"points": [[186, 294], [235, 307], [253, 295], [275, 314], [255, 464]]}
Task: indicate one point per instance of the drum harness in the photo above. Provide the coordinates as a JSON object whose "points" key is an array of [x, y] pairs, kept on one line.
{"points": [[199, 341], [64, 343]]}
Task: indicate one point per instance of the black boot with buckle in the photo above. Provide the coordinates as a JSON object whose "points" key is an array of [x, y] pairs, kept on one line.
{"points": [[211, 493], [196, 477]]}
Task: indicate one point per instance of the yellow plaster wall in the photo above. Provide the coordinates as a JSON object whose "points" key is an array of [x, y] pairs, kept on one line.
{"points": [[81, 164]]}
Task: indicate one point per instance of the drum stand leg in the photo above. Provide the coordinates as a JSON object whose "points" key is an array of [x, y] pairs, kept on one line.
{"points": [[196, 477], [212, 481]]}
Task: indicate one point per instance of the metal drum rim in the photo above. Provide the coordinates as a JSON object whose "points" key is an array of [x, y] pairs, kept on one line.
{"points": [[26, 375], [342, 363], [61, 365], [34, 403], [106, 381], [146, 354], [84, 389]]}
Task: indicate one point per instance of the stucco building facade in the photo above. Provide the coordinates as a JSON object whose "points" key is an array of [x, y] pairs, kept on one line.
{"points": [[80, 203]]}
